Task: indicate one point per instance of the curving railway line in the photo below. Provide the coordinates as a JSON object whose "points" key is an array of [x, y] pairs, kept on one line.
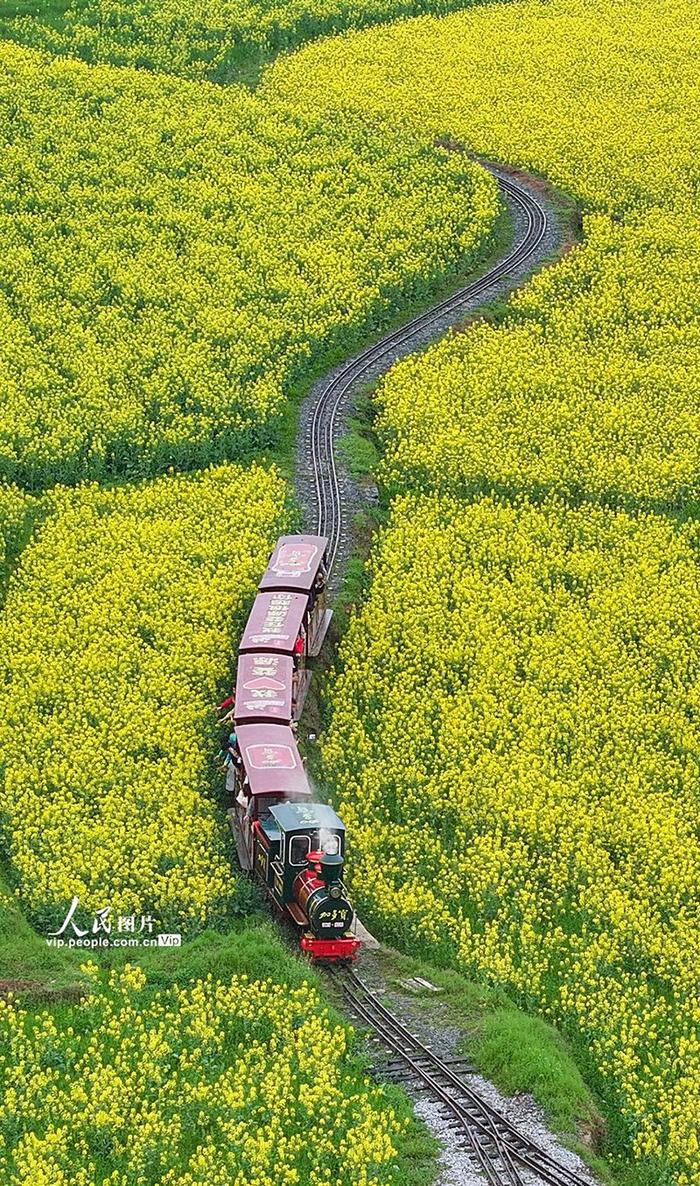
{"points": [[499, 1151], [319, 472]]}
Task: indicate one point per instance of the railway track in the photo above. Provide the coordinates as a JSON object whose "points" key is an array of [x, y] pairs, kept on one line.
{"points": [[327, 502], [498, 1149]]}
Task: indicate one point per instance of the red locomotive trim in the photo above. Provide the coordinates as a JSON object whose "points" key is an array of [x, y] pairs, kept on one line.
{"points": [[330, 949]]}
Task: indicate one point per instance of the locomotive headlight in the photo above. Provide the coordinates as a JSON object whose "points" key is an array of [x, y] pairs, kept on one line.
{"points": [[335, 890]]}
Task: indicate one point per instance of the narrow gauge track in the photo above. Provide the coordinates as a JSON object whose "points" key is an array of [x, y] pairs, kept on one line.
{"points": [[498, 1149], [503, 1154], [532, 227]]}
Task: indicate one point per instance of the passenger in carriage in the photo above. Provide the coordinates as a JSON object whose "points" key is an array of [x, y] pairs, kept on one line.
{"points": [[317, 587], [321, 579], [299, 646], [227, 707], [228, 751]]}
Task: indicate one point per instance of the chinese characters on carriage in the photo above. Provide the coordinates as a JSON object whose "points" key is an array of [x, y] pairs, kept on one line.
{"points": [[278, 626], [265, 689], [299, 564]]}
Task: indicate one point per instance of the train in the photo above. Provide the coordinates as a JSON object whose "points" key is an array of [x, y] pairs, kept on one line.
{"points": [[291, 844]]}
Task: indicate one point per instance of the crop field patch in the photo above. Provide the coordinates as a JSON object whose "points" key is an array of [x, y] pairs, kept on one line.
{"points": [[176, 255], [116, 637]]}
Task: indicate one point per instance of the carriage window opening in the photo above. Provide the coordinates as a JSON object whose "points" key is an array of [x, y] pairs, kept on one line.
{"points": [[298, 850]]}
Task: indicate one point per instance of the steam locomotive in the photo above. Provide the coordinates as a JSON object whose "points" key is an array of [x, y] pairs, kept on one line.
{"points": [[292, 845]]}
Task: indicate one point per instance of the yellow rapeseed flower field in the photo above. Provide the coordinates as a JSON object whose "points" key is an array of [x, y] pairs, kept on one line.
{"points": [[600, 98], [219, 1083], [16, 513], [516, 725], [591, 386], [515, 735], [175, 255], [118, 631], [205, 39]]}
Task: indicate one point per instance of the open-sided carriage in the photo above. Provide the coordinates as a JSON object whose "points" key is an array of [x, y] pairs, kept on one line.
{"points": [[267, 770], [266, 689], [299, 564]]}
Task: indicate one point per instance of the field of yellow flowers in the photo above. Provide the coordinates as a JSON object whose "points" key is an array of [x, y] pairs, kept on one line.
{"points": [[210, 39], [590, 388], [592, 384], [17, 511], [229, 1083], [175, 256], [118, 630], [519, 706], [600, 99], [516, 723], [519, 696]]}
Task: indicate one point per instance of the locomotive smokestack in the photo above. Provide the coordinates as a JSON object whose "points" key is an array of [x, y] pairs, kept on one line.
{"points": [[331, 868], [331, 871]]}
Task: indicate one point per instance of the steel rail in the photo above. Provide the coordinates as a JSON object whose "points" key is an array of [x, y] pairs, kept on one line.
{"points": [[472, 1111], [330, 512], [498, 1148], [474, 1130]]}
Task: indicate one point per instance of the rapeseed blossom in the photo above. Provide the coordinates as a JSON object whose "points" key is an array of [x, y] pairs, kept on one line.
{"points": [[119, 630], [210, 39], [226, 1083], [17, 511], [591, 385], [515, 736], [174, 255]]}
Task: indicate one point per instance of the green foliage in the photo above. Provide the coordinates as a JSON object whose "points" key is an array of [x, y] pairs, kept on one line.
{"points": [[219, 40], [522, 1053], [175, 257]]}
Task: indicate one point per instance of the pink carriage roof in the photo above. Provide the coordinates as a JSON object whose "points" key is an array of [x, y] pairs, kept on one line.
{"points": [[272, 761], [264, 688], [294, 562], [274, 623]]}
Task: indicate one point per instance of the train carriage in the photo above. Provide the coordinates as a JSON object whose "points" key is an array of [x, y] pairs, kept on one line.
{"points": [[266, 689], [267, 769], [299, 564], [277, 625]]}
